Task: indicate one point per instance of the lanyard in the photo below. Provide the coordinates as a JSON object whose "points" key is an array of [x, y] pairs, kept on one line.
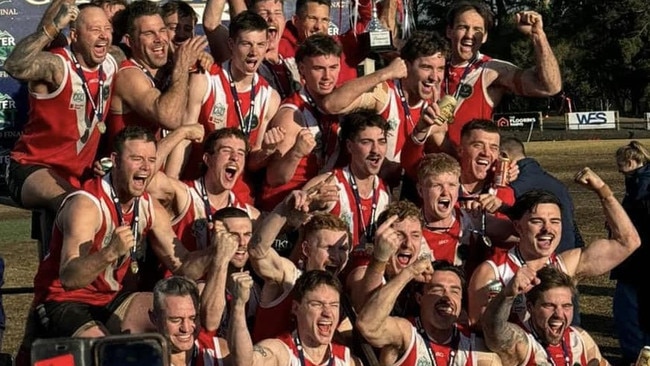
{"points": [[550, 261], [134, 223], [468, 68], [565, 349], [455, 341], [97, 109], [301, 355], [368, 231], [206, 201], [320, 119], [164, 84], [405, 105], [245, 126]]}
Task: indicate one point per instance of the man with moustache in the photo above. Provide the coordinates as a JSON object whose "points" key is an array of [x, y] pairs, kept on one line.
{"points": [[362, 194], [478, 81], [234, 95], [434, 337], [316, 307], [145, 93], [310, 144], [282, 76], [537, 219], [70, 90], [324, 246], [98, 238], [399, 92], [549, 338]]}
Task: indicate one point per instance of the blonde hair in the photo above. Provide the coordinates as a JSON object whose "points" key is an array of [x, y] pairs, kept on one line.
{"points": [[436, 164], [634, 151]]}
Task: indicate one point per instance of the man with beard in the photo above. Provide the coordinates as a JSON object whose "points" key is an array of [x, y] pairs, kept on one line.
{"points": [[70, 90], [316, 307], [433, 337], [398, 244], [537, 219], [282, 76], [399, 92], [145, 94], [478, 81], [98, 238], [549, 339], [310, 143], [362, 193], [324, 246], [234, 95], [175, 314]]}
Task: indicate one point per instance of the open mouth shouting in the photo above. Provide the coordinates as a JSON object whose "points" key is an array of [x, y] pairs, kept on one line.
{"points": [[374, 162], [325, 327], [443, 204], [404, 257], [230, 172], [444, 308], [100, 49], [545, 241], [140, 181], [467, 46]]}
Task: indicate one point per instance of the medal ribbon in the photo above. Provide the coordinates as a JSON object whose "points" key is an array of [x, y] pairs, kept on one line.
{"points": [[97, 110], [135, 221], [405, 105], [469, 67], [301, 354], [245, 126], [455, 342], [368, 231], [549, 357]]}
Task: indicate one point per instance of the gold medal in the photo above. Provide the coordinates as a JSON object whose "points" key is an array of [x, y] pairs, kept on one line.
{"points": [[134, 266], [101, 127]]}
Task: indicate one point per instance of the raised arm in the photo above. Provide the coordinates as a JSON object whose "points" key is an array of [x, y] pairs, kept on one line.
{"points": [[366, 92], [269, 138], [297, 143], [506, 339], [43, 66], [544, 79], [603, 254], [243, 353], [213, 298], [374, 322], [190, 133], [79, 220], [166, 108], [364, 281], [178, 156], [215, 32]]}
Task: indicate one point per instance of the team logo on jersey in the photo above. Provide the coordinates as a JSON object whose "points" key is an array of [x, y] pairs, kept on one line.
{"points": [[347, 218], [393, 123], [7, 44], [8, 111], [78, 100], [106, 90], [218, 115]]}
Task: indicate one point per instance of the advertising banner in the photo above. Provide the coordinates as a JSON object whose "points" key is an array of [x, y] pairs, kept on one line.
{"points": [[596, 120]]}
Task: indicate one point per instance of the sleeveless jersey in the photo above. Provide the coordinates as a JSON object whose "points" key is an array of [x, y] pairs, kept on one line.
{"points": [[56, 134], [505, 265], [103, 289], [478, 104], [323, 158], [131, 118], [571, 341], [190, 225], [450, 244], [207, 351], [279, 310], [401, 126], [340, 353], [347, 207], [418, 351]]}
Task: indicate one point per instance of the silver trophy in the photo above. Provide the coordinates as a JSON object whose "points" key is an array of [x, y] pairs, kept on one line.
{"points": [[377, 38]]}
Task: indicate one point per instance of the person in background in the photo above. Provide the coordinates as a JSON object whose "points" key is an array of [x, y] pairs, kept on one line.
{"points": [[633, 324]]}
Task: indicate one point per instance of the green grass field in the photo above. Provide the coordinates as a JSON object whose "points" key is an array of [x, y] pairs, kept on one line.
{"points": [[562, 158]]}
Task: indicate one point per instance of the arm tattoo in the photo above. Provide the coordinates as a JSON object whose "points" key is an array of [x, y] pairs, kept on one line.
{"points": [[501, 335], [261, 350]]}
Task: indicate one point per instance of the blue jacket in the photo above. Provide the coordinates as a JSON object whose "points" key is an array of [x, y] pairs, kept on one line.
{"points": [[637, 206], [532, 176]]}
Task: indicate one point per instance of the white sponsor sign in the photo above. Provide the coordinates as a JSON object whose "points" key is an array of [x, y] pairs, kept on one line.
{"points": [[597, 120]]}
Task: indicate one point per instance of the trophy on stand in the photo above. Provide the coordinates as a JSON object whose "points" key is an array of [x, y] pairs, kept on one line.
{"points": [[376, 38]]}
